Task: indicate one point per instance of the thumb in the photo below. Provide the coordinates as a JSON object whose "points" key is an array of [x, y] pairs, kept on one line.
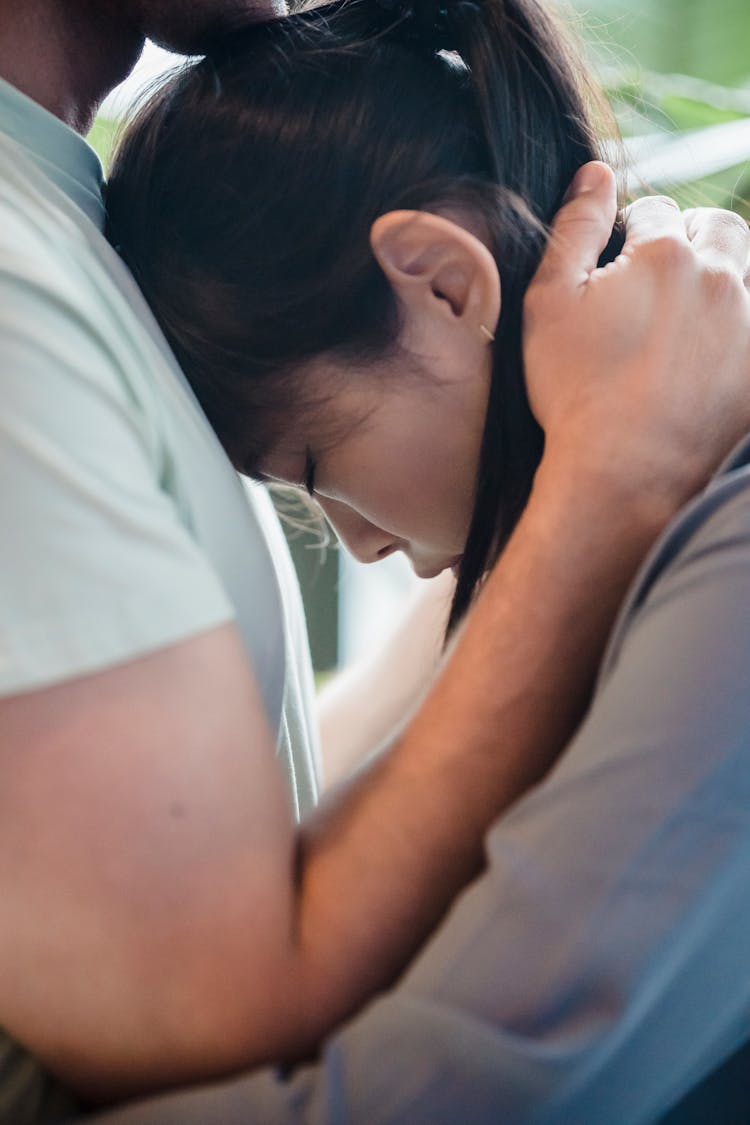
{"points": [[582, 227]]}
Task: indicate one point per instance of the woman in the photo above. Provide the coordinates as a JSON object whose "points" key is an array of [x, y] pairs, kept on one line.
{"points": [[322, 213]]}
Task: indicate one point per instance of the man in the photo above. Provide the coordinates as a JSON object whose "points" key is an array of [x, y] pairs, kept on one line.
{"points": [[148, 655]]}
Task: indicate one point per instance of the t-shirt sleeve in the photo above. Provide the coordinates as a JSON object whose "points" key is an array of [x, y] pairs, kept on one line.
{"points": [[96, 565]]}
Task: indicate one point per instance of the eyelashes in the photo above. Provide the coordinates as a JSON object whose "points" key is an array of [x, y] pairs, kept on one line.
{"points": [[309, 478]]}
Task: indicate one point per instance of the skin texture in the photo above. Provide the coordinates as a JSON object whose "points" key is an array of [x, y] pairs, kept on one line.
{"points": [[68, 56], [66, 59], [196, 930]]}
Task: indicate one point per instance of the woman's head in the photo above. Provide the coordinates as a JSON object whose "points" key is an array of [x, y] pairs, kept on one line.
{"points": [[393, 456], [259, 198]]}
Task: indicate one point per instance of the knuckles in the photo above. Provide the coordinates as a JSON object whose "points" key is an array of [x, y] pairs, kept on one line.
{"points": [[718, 223], [664, 253], [666, 264], [722, 287], [654, 203], [646, 216]]}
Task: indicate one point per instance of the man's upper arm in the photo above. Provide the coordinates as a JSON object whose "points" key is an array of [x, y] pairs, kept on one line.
{"points": [[145, 830], [146, 858]]}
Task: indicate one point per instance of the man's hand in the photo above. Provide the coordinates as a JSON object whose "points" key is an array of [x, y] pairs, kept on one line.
{"points": [[641, 368]]}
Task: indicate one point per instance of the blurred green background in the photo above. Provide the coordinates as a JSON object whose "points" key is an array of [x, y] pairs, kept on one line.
{"points": [[678, 75], [709, 39], [675, 70]]}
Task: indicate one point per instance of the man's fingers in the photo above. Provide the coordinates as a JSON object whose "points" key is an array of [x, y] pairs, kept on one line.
{"points": [[581, 229], [655, 217], [720, 236]]}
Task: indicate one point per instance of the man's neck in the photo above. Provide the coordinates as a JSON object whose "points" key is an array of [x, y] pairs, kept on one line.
{"points": [[68, 55]]}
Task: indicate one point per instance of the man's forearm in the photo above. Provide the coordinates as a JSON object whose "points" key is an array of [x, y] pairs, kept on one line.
{"points": [[381, 865]]}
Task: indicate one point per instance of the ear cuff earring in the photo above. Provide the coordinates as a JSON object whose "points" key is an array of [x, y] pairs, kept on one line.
{"points": [[486, 332]]}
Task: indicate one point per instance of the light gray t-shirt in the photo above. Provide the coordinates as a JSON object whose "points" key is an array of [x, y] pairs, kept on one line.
{"points": [[124, 527]]}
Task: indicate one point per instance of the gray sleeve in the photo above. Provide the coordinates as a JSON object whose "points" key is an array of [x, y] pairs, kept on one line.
{"points": [[601, 965]]}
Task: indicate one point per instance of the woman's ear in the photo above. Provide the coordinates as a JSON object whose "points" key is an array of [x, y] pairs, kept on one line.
{"points": [[441, 272]]}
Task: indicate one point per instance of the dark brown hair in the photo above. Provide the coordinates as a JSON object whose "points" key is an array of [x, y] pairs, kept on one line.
{"points": [[243, 193]]}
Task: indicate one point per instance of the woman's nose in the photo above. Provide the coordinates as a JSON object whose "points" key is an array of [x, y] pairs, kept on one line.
{"points": [[364, 540]]}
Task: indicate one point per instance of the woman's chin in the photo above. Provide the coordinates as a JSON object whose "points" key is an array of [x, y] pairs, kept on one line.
{"points": [[433, 571]]}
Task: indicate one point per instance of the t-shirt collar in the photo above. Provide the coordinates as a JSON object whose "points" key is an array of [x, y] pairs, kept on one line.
{"points": [[56, 149]]}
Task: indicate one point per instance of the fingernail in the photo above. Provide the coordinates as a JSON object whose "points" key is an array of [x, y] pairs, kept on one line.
{"points": [[587, 179]]}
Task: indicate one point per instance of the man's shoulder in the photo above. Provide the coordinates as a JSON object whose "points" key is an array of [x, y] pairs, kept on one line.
{"points": [[48, 263], [32, 243], [67, 303], [50, 247], [30, 202]]}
